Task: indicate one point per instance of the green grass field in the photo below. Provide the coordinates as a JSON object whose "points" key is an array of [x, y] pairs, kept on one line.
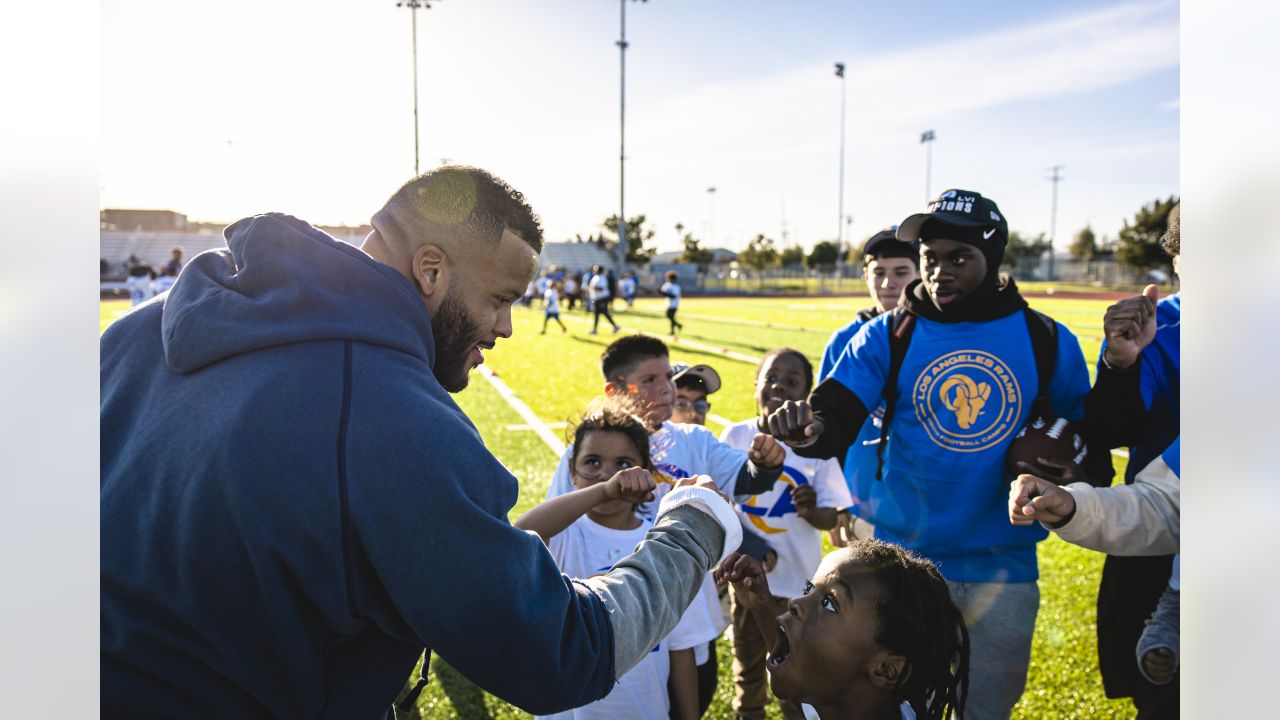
{"points": [[556, 374]]}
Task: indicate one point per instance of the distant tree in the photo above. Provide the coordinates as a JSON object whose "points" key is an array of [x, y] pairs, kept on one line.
{"points": [[1139, 242], [637, 236], [793, 255], [693, 253], [760, 254], [823, 254], [1020, 247], [1085, 244]]}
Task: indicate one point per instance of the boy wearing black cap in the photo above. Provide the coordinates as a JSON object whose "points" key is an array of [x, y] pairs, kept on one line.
{"points": [[888, 265], [959, 379]]}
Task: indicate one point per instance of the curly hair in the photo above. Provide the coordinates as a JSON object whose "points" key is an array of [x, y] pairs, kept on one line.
{"points": [[916, 618]]}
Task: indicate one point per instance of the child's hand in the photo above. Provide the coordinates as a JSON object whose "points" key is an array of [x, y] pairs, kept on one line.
{"points": [[635, 485], [842, 534], [703, 481], [806, 500], [765, 452], [749, 583]]}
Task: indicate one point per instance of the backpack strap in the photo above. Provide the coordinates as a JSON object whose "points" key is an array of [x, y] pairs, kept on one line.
{"points": [[901, 325], [1044, 345]]}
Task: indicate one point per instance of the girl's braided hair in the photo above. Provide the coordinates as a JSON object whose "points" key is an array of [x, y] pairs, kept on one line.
{"points": [[916, 618]]}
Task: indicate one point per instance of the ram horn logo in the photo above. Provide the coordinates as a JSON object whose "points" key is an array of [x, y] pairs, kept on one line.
{"points": [[967, 401]]}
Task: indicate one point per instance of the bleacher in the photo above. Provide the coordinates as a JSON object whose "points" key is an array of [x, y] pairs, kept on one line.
{"points": [[576, 257]]}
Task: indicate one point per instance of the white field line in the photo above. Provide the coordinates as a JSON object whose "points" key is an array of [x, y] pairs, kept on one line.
{"points": [[669, 341], [755, 323], [548, 437], [552, 426], [698, 346]]}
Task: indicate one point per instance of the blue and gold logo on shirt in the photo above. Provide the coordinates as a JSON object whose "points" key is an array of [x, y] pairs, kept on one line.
{"points": [[967, 400], [781, 507]]}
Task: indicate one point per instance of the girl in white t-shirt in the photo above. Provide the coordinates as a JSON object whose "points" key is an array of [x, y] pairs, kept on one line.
{"points": [[671, 288], [596, 525], [551, 301], [791, 517], [875, 635]]}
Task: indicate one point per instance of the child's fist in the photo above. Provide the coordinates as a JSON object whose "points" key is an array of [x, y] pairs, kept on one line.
{"points": [[806, 500], [703, 481], [749, 583], [765, 452], [635, 485]]}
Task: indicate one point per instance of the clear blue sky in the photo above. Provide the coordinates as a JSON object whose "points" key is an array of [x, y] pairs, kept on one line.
{"points": [[227, 109]]}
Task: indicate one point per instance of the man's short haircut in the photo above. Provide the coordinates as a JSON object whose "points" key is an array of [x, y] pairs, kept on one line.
{"points": [[1172, 241], [621, 357], [458, 196]]}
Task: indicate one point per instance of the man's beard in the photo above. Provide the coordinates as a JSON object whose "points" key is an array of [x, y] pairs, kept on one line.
{"points": [[455, 334]]}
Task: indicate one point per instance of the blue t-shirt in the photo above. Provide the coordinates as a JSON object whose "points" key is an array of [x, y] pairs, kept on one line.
{"points": [[861, 460], [965, 389]]}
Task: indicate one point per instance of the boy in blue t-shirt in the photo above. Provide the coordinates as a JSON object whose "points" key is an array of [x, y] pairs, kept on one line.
{"points": [[888, 265], [964, 388]]}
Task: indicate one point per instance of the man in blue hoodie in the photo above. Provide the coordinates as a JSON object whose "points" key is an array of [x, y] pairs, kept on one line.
{"points": [[293, 507], [967, 383]]}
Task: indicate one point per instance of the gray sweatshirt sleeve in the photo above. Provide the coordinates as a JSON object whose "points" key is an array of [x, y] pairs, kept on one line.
{"points": [[648, 591]]}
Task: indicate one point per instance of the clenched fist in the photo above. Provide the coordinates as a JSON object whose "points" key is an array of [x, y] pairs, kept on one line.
{"points": [[793, 423]]}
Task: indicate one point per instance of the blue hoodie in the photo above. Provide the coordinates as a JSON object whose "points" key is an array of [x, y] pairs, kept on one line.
{"points": [[292, 507]]}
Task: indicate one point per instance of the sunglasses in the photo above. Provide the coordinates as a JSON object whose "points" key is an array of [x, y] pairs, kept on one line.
{"points": [[701, 406]]}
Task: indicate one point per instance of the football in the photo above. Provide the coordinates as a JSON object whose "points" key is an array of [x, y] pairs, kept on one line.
{"points": [[1058, 439]]}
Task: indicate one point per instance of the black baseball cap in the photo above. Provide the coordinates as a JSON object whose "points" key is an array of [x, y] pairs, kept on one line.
{"points": [[886, 244], [710, 378], [962, 209]]}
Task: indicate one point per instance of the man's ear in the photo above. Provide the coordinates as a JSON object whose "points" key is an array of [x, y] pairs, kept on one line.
{"points": [[610, 389], [889, 670], [431, 271]]}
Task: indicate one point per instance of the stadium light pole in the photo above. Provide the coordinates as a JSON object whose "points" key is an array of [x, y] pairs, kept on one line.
{"points": [[926, 138], [622, 125], [840, 203], [711, 215], [1055, 178], [413, 6]]}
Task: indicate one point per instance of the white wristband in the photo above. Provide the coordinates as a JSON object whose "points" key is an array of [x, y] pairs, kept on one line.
{"points": [[711, 503]]}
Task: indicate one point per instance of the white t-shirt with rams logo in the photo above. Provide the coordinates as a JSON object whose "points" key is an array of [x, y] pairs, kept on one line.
{"points": [[585, 549], [773, 516], [679, 451]]}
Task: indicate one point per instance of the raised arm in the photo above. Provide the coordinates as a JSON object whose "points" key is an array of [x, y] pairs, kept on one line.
{"points": [[551, 517]]}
